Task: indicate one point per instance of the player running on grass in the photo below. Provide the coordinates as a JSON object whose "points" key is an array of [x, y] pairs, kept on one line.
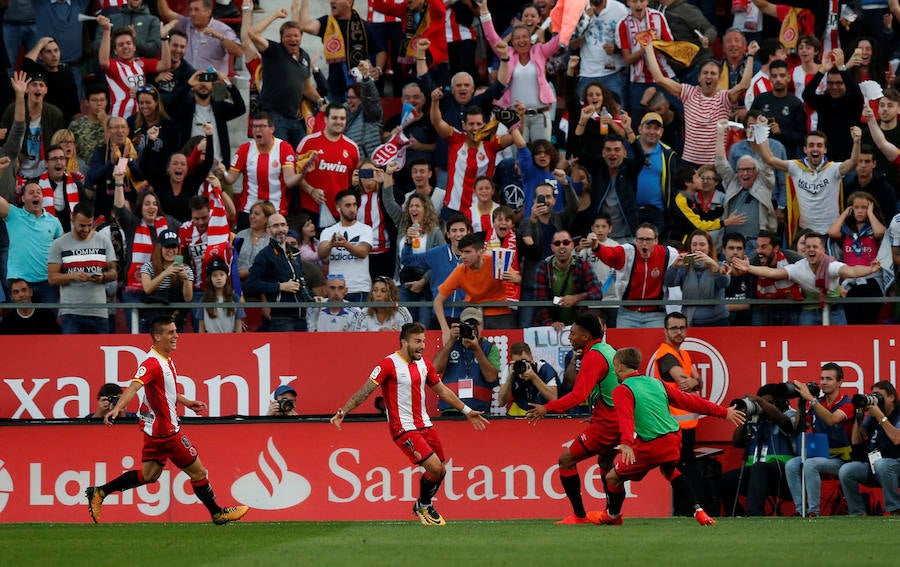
{"points": [[650, 435], [403, 376], [163, 438]]}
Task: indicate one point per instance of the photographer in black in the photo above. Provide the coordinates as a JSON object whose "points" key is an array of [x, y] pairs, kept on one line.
{"points": [[285, 402], [107, 398], [766, 438], [879, 432], [527, 381], [279, 275], [468, 363]]}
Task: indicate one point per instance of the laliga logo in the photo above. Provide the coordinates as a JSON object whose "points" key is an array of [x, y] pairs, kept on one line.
{"points": [[6, 486], [283, 489], [709, 364]]}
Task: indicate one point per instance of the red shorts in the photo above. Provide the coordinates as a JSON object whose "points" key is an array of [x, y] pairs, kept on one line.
{"points": [[176, 447], [648, 455], [600, 437], [418, 445]]}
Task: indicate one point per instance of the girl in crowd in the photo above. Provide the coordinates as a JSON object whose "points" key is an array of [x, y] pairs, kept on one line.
{"points": [[307, 242], [165, 278], [699, 276], [383, 318], [479, 214], [593, 115], [859, 231], [219, 289]]}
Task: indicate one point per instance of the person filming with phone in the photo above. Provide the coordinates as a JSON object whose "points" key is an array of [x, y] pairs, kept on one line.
{"points": [[166, 279]]}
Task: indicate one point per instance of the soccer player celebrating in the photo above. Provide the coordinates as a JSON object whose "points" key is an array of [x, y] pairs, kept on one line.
{"points": [[403, 376], [163, 438], [650, 435]]}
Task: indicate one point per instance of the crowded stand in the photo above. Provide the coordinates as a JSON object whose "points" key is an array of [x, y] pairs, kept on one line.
{"points": [[584, 152]]}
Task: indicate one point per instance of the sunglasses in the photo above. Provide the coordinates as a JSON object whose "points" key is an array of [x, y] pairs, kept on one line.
{"points": [[148, 89], [564, 242], [335, 276], [383, 279]]}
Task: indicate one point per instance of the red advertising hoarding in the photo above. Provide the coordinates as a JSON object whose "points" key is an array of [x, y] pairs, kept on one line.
{"points": [[304, 471]]}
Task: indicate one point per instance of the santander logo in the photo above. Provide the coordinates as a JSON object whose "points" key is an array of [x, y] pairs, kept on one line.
{"points": [[277, 489], [6, 486]]}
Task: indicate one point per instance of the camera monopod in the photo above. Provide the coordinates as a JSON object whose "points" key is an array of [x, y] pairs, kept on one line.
{"points": [[801, 411]]}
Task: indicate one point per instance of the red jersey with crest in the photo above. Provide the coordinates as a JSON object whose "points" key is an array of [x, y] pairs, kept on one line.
{"points": [[159, 395], [333, 170], [403, 386], [465, 164]]}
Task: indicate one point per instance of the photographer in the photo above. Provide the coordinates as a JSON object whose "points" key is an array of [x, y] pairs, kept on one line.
{"points": [[107, 398], [830, 414], [527, 381], [880, 432], [285, 402], [278, 274], [766, 438], [468, 364]]}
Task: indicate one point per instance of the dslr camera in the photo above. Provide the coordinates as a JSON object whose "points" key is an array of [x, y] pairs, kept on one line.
{"points": [[286, 405], [468, 330], [788, 390], [750, 408], [113, 400], [866, 400], [520, 367]]}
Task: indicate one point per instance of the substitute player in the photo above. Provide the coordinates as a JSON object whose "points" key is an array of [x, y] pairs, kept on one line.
{"points": [[595, 383], [403, 376], [650, 435], [163, 438]]}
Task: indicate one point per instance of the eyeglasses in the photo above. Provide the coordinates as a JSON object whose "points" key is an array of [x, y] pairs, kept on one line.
{"points": [[563, 242], [680, 329], [335, 276], [645, 238]]}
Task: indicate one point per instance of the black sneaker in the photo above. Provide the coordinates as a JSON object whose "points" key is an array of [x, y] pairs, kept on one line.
{"points": [[428, 515]]}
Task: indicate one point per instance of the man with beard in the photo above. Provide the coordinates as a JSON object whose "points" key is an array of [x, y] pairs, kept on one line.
{"points": [[199, 108], [788, 124], [62, 191], [336, 158], [266, 165], [276, 275], [888, 110], [403, 376], [81, 263], [839, 107], [654, 181], [173, 84], [642, 265], [813, 197], [346, 246], [594, 384], [816, 273]]}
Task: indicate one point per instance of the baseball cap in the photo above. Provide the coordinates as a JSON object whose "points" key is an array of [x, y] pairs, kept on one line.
{"points": [[472, 313], [37, 76], [216, 264], [652, 117], [169, 239], [284, 389]]}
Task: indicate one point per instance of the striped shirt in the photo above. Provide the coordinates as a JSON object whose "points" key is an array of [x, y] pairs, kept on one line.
{"points": [[159, 395], [403, 387], [701, 113], [371, 212], [263, 177], [121, 77], [759, 84], [464, 165], [626, 38]]}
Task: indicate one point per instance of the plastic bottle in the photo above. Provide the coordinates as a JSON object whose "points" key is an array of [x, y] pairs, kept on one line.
{"points": [[416, 241], [605, 117]]}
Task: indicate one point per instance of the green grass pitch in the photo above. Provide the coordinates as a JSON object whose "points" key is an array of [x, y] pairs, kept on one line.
{"points": [[767, 542]]}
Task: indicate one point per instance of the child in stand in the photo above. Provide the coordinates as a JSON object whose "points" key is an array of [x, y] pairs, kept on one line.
{"points": [[219, 289], [600, 230]]}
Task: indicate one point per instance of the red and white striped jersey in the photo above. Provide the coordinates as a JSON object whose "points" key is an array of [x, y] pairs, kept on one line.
{"points": [[626, 38], [376, 17], [800, 79], [263, 178], [158, 396], [453, 31], [701, 113], [371, 212], [464, 165], [403, 387], [480, 222], [759, 84], [121, 77]]}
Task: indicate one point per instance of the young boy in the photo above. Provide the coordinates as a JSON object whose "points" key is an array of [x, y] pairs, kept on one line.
{"points": [[605, 275]]}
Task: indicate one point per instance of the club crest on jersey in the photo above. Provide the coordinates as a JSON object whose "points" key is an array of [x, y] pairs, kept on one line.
{"points": [[654, 273], [274, 163], [141, 371], [375, 372], [345, 154]]}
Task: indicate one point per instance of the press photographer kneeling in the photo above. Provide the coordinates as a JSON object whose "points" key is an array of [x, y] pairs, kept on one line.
{"points": [[527, 381], [878, 433], [766, 439]]}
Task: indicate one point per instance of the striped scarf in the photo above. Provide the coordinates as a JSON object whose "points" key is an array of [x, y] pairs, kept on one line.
{"points": [[214, 243], [71, 186], [141, 249]]}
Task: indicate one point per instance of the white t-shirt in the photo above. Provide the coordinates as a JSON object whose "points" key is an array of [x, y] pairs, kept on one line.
{"points": [[340, 261], [324, 321], [894, 231], [801, 274], [594, 60], [818, 194], [524, 85]]}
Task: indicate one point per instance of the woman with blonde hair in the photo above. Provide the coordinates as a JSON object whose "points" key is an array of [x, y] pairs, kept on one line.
{"points": [[66, 140], [383, 318]]}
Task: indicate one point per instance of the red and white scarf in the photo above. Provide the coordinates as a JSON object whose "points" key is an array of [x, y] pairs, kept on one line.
{"points": [[141, 249], [215, 242], [48, 189]]}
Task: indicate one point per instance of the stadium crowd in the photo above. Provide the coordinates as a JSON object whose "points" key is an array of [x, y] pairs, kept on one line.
{"points": [[490, 152]]}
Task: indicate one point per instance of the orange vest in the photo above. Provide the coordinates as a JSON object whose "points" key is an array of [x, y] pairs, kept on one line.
{"points": [[686, 419]]}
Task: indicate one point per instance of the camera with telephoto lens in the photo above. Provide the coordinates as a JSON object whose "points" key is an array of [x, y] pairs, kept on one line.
{"points": [[286, 405], [866, 400], [750, 408], [303, 293], [788, 390], [468, 329], [113, 400], [520, 367]]}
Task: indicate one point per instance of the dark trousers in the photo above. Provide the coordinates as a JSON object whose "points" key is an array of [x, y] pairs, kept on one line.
{"points": [[758, 483]]}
